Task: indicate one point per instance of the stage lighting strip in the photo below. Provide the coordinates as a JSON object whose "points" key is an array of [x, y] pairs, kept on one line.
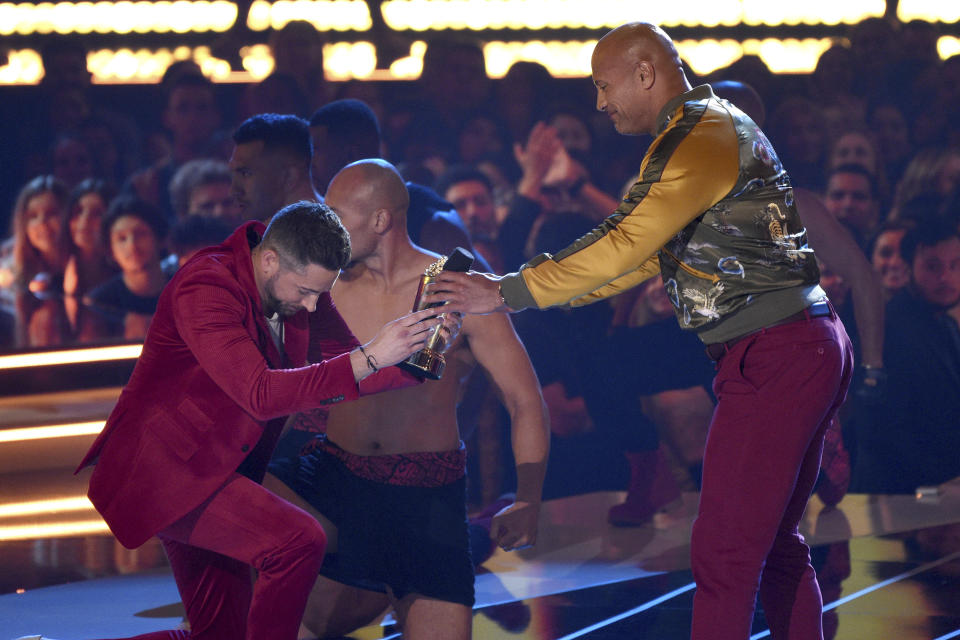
{"points": [[477, 15], [50, 530], [324, 15], [72, 356], [24, 434], [142, 16]]}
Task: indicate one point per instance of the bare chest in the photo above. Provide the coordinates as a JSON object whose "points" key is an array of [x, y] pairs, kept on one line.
{"points": [[366, 308]]}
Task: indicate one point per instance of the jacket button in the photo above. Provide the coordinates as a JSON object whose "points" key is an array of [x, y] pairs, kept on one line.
{"points": [[245, 448]]}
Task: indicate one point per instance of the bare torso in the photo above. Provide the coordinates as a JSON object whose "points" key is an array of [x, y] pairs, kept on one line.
{"points": [[419, 418]]}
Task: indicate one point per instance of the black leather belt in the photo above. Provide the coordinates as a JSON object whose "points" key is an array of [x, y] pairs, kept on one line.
{"points": [[817, 310]]}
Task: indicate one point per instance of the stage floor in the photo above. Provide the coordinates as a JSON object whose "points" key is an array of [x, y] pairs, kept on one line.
{"points": [[889, 568]]}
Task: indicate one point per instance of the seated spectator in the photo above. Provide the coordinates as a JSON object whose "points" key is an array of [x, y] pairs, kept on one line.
{"points": [[854, 147], [202, 188], [470, 192], [89, 263], [569, 183], [932, 174], [907, 436], [34, 257], [857, 146], [135, 231], [521, 94], [193, 233], [797, 132], [192, 117], [72, 160], [886, 259], [297, 50], [892, 133], [277, 93], [851, 196]]}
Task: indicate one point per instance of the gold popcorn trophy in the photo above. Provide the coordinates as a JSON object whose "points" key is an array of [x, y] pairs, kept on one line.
{"points": [[429, 361]]}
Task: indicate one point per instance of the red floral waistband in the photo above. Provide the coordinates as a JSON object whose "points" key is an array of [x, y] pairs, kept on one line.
{"points": [[416, 469]]}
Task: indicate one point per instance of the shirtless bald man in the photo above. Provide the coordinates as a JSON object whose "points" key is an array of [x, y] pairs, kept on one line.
{"points": [[713, 212], [387, 482]]}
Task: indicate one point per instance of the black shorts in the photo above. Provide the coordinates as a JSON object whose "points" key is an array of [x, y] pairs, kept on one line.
{"points": [[389, 532]]}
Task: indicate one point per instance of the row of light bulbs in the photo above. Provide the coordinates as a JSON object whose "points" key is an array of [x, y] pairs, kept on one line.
{"points": [[358, 60], [182, 16]]}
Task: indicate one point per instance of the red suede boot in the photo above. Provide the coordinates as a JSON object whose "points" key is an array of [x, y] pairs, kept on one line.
{"points": [[652, 487]]}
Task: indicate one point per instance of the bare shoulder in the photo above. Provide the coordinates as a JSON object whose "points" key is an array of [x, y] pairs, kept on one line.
{"points": [[491, 324]]}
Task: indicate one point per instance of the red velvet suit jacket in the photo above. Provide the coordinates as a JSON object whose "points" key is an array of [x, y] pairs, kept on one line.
{"points": [[210, 389]]}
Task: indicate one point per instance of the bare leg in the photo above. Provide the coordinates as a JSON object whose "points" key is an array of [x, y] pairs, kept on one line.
{"points": [[278, 488], [425, 618], [335, 609]]}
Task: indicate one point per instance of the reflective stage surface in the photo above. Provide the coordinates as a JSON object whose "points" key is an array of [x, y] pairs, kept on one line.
{"points": [[889, 566]]}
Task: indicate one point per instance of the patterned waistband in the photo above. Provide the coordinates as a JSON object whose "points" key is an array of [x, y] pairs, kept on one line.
{"points": [[417, 469]]}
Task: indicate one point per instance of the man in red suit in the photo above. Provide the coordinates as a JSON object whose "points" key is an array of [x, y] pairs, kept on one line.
{"points": [[183, 452]]}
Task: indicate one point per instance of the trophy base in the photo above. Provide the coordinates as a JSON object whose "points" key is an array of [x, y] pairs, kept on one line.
{"points": [[425, 363]]}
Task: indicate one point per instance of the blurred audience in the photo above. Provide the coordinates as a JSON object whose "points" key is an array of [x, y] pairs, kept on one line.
{"points": [[851, 196], [906, 436], [34, 257], [195, 232], [886, 259], [192, 118], [89, 263], [873, 130], [136, 232], [202, 188]]}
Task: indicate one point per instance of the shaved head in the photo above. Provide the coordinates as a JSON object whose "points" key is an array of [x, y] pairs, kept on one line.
{"points": [[641, 41], [372, 183], [637, 70], [371, 199]]}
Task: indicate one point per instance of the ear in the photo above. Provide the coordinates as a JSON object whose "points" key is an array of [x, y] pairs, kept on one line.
{"points": [[382, 220], [269, 262], [645, 74]]}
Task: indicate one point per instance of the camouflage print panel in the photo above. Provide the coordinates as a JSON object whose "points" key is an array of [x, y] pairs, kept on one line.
{"points": [[750, 242]]}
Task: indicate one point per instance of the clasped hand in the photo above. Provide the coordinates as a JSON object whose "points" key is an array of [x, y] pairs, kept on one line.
{"points": [[515, 526]]}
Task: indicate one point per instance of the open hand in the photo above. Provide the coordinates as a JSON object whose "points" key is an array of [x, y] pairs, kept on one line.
{"points": [[470, 292]]}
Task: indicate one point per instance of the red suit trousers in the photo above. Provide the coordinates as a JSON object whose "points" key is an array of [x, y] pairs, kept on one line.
{"points": [[212, 549], [777, 391]]}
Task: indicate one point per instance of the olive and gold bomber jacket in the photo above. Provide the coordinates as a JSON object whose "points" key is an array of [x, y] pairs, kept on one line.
{"points": [[712, 211]]}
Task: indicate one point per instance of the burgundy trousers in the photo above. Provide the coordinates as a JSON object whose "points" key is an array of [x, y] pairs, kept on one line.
{"points": [[777, 391], [212, 549]]}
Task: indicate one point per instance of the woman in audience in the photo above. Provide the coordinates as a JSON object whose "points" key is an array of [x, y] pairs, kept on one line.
{"points": [[88, 264], [35, 255], [885, 257], [932, 173]]}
